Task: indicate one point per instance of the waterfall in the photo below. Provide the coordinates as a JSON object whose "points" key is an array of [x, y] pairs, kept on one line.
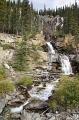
{"points": [[50, 48], [51, 55], [66, 66], [20, 108], [40, 92]]}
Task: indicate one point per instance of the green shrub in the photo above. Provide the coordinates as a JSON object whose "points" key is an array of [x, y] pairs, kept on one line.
{"points": [[6, 86], [1, 77], [68, 49], [19, 43], [66, 94], [25, 81], [20, 62], [7, 46], [33, 47], [36, 56], [58, 33], [2, 72]]}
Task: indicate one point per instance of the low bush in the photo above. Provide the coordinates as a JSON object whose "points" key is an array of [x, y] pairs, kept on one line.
{"points": [[68, 49], [1, 77], [7, 46], [25, 81], [66, 95], [2, 72], [6, 86]]}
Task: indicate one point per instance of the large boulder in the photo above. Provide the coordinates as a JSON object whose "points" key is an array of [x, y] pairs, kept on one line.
{"points": [[2, 104], [37, 105]]}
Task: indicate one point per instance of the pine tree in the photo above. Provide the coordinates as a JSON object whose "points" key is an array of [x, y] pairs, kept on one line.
{"points": [[13, 18], [18, 17], [7, 17], [2, 14]]}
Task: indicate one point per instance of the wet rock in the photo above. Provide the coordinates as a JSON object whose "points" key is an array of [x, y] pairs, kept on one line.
{"points": [[35, 116], [1, 118], [37, 105], [15, 116], [41, 118], [69, 118], [62, 116], [77, 58], [2, 104], [49, 115], [15, 102], [52, 118], [21, 97], [8, 97], [26, 116]]}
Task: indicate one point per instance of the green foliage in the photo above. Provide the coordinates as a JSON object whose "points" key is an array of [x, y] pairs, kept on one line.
{"points": [[19, 43], [34, 47], [2, 14], [66, 94], [2, 72], [26, 81], [53, 104], [1, 77], [20, 62], [7, 46], [35, 56], [58, 33], [68, 49], [6, 86]]}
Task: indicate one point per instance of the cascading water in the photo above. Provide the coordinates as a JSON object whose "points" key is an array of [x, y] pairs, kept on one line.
{"points": [[20, 108], [51, 55], [50, 48], [66, 66], [41, 92]]}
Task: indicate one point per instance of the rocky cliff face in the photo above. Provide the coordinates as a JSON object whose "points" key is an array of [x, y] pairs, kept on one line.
{"points": [[49, 24]]}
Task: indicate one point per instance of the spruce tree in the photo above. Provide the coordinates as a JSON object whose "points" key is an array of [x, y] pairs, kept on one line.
{"points": [[8, 17], [2, 14]]}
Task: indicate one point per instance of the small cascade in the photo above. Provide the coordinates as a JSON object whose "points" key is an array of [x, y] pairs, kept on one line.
{"points": [[50, 48], [51, 55], [40, 92], [66, 66], [20, 108]]}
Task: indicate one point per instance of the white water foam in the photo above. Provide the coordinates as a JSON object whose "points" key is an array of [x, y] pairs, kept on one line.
{"points": [[50, 48], [20, 108], [66, 66], [41, 92]]}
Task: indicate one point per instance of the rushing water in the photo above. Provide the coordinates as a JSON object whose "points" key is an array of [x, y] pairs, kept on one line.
{"points": [[50, 48], [51, 55], [41, 92], [44, 91], [20, 108], [66, 66]]}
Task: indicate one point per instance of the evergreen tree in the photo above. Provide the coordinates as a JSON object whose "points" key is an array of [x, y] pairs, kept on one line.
{"points": [[18, 17], [25, 18], [13, 19], [7, 17], [2, 14]]}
